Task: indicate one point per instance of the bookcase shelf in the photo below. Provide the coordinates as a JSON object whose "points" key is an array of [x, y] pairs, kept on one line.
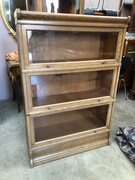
{"points": [[66, 123], [70, 68]]}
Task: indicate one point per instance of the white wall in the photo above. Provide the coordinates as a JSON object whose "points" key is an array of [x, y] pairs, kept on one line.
{"points": [[7, 45]]}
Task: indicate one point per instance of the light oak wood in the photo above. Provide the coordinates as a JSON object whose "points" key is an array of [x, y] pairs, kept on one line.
{"points": [[72, 147], [62, 124], [68, 106], [69, 51], [70, 68], [31, 15]]}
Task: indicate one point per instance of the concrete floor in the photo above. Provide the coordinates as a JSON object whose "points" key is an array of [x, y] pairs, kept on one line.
{"points": [[106, 163]]}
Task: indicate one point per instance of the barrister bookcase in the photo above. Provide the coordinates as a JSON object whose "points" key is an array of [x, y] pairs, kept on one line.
{"points": [[70, 68]]}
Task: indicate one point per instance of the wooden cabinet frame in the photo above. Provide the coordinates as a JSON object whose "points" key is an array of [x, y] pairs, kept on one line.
{"points": [[107, 127], [26, 66], [42, 150], [50, 108]]}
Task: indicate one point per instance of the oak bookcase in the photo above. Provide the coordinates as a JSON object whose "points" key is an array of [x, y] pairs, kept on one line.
{"points": [[70, 68]]}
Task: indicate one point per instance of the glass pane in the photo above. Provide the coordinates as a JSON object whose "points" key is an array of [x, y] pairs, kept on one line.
{"points": [[9, 7], [131, 48], [62, 124], [58, 88], [54, 46]]}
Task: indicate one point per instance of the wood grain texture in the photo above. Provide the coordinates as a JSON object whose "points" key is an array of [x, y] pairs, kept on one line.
{"points": [[67, 123], [69, 148], [70, 67], [31, 15]]}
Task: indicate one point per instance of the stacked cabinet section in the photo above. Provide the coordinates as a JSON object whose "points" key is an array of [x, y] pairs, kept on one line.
{"points": [[67, 87], [70, 67], [70, 46]]}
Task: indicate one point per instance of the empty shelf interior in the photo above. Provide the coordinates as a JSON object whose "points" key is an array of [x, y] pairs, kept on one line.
{"points": [[51, 89], [53, 46], [66, 123]]}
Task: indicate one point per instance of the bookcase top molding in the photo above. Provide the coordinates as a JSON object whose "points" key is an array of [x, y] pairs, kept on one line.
{"points": [[23, 16]]}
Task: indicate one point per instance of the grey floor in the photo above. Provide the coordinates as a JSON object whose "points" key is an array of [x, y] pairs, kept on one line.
{"points": [[106, 163]]}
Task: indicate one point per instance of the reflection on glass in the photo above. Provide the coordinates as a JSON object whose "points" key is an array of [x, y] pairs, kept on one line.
{"points": [[54, 46], [59, 88], [9, 8], [66, 123]]}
